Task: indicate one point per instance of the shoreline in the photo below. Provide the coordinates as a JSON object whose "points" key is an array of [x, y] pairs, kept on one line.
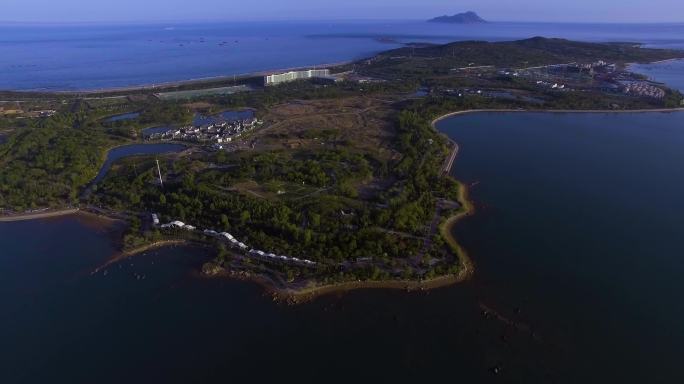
{"points": [[657, 62], [125, 254], [303, 295], [39, 215], [467, 270], [169, 86], [148, 247], [469, 111]]}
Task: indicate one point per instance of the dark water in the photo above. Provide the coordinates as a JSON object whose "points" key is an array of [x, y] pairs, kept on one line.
{"points": [[579, 221], [244, 114], [668, 72], [91, 57], [134, 150], [577, 242], [154, 130], [59, 323], [123, 116]]}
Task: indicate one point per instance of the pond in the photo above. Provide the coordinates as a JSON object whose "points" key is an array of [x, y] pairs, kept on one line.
{"points": [[227, 116], [122, 117], [147, 132], [135, 150]]}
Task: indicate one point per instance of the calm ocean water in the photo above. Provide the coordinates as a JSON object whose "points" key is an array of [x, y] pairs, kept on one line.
{"points": [[579, 223], [73, 57]]}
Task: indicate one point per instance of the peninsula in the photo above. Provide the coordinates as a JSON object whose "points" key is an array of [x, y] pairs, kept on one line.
{"points": [[306, 181]]}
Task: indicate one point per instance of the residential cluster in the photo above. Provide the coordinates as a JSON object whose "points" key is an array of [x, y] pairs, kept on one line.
{"points": [[642, 88], [235, 243], [217, 132]]}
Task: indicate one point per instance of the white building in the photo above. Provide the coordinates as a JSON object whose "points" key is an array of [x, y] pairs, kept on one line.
{"points": [[279, 78]]}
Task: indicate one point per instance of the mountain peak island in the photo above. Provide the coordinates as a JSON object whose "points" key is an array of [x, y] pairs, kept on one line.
{"points": [[469, 17]]}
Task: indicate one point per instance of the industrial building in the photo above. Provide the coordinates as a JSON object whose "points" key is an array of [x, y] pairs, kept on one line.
{"points": [[279, 78]]}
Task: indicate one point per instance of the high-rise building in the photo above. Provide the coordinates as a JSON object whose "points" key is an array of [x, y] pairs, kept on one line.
{"points": [[295, 75]]}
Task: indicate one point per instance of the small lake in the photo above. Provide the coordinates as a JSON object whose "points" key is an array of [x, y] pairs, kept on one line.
{"points": [[667, 72], [135, 150], [228, 116], [147, 132], [122, 117]]}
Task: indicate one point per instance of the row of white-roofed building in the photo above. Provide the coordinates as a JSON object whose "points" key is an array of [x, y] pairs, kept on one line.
{"points": [[273, 256], [233, 242], [175, 224], [215, 131]]}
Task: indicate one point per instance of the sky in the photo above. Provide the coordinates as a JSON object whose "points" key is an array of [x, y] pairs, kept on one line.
{"points": [[65, 11]]}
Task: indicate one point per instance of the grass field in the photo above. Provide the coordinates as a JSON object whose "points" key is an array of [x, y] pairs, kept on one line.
{"points": [[183, 95]]}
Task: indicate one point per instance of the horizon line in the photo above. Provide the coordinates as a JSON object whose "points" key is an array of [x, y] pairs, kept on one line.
{"points": [[295, 20]]}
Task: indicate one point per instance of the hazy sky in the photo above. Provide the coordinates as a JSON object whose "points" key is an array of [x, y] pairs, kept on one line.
{"points": [[502, 10]]}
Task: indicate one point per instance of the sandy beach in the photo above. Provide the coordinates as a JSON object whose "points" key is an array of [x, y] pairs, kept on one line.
{"points": [[38, 215], [203, 81]]}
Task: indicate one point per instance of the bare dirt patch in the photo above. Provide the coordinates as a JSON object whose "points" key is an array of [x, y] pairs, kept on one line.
{"points": [[361, 123]]}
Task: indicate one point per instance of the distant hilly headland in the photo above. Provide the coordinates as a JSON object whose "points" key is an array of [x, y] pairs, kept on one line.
{"points": [[459, 18]]}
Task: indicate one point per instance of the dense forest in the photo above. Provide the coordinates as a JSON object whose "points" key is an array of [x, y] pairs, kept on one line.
{"points": [[47, 165], [325, 220]]}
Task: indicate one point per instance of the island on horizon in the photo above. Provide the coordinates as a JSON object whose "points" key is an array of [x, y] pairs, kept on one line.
{"points": [[469, 17]]}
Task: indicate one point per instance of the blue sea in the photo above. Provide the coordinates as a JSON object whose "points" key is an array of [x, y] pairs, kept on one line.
{"points": [[87, 57]]}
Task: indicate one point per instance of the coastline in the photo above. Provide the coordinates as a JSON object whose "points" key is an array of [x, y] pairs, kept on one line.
{"points": [[38, 215], [468, 209], [657, 62], [303, 295], [306, 294], [299, 295], [125, 254], [170, 85], [467, 270], [151, 246], [469, 111]]}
